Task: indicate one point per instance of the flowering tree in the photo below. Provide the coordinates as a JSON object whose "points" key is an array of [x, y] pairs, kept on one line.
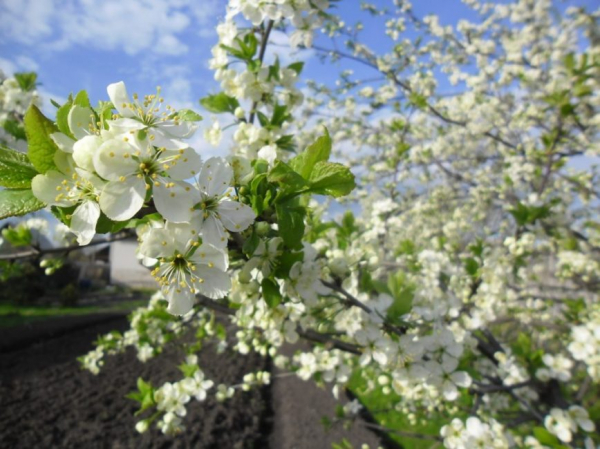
{"points": [[466, 288]]}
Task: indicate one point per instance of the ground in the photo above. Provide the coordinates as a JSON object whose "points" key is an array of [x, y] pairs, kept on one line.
{"points": [[47, 401]]}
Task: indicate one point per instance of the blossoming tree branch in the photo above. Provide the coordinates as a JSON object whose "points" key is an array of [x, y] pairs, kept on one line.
{"points": [[465, 292]]}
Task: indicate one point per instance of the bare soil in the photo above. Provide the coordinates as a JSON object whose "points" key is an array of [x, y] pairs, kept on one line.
{"points": [[47, 401]]}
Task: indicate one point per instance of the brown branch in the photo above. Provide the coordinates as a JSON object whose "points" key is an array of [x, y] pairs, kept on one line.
{"points": [[63, 249], [261, 56]]}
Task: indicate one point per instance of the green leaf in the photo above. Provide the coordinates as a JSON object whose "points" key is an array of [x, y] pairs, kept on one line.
{"points": [[291, 223], [289, 180], [418, 100], [16, 172], [41, 147], [331, 178], [286, 142], [271, 293], [251, 244], [296, 67], [27, 81], [105, 225], [187, 115], [62, 116], [285, 263], [82, 99], [18, 202], [471, 266], [15, 129], [19, 236], [219, 103], [319, 151], [545, 437], [188, 370]]}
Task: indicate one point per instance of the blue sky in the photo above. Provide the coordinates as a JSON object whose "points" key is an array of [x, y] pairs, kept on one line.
{"points": [[85, 44], [82, 44]]}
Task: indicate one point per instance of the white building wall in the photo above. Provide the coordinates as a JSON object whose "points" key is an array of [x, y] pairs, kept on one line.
{"points": [[126, 269]]}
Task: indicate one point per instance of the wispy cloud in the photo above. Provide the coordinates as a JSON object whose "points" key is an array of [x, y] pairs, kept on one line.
{"points": [[133, 26]]}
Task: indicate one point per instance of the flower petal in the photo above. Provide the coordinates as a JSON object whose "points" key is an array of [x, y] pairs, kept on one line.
{"points": [[127, 126], [183, 164], [215, 176], [45, 188], [235, 216], [84, 150], [207, 254], [63, 142], [121, 200], [217, 283], [117, 92], [213, 232], [79, 120], [64, 162], [113, 159], [83, 222], [179, 130], [181, 300], [175, 203], [157, 242]]}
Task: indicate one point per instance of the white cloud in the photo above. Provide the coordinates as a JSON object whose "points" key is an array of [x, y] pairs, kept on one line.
{"points": [[133, 26], [20, 64]]}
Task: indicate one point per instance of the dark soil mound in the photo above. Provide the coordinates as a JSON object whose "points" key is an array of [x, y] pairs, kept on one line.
{"points": [[47, 401]]}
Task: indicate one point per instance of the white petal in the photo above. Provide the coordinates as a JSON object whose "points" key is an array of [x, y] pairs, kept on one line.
{"points": [[180, 302], [181, 233], [121, 200], [64, 162], [117, 92], [79, 120], [97, 182], [157, 243], [182, 130], [461, 378], [113, 159], [449, 390], [44, 188], [175, 203], [161, 140], [182, 164], [216, 283], [268, 153], [83, 222], [215, 176], [84, 150], [235, 216], [213, 232], [125, 126], [62, 141], [207, 254]]}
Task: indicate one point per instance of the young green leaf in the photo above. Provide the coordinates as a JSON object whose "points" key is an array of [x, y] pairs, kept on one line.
{"points": [[219, 103], [271, 293], [291, 223], [41, 147], [62, 118], [187, 115], [331, 178], [319, 151], [16, 172], [18, 202], [27, 81]]}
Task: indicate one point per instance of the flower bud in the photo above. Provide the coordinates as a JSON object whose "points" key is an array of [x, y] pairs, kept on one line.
{"points": [[339, 267], [262, 228], [239, 113], [142, 426]]}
